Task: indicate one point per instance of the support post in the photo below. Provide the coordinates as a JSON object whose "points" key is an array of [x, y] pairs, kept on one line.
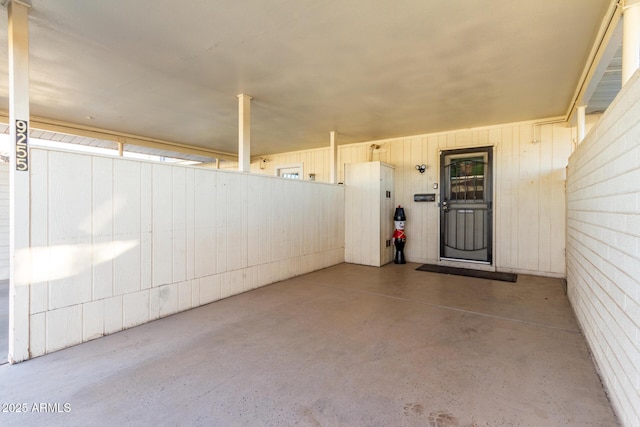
{"points": [[333, 158], [19, 186], [581, 113], [244, 133], [630, 39], [120, 149]]}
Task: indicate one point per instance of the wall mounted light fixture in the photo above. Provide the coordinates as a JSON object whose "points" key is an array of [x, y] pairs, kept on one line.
{"points": [[421, 168]]}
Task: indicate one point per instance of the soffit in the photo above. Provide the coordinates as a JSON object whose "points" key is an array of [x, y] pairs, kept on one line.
{"points": [[368, 70]]}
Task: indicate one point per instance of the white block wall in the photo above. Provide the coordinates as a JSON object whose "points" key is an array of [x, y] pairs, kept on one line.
{"points": [[117, 243], [4, 221], [603, 250]]}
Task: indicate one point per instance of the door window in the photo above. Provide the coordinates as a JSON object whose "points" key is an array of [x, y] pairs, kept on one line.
{"points": [[467, 178]]}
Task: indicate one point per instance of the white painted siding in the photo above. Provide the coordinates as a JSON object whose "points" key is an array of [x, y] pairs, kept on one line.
{"points": [[4, 221], [603, 251], [117, 243], [368, 213], [528, 194], [315, 161]]}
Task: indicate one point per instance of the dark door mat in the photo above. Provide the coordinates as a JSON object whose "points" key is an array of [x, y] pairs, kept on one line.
{"points": [[491, 275]]}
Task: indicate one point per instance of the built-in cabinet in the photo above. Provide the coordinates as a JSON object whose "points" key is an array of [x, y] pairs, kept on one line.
{"points": [[369, 207]]}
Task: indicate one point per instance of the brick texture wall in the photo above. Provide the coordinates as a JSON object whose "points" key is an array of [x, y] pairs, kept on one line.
{"points": [[603, 247]]}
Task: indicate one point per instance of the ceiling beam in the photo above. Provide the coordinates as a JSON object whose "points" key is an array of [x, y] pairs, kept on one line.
{"points": [[57, 126]]}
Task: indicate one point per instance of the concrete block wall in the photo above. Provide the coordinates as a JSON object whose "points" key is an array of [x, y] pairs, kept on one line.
{"points": [[117, 243], [603, 247]]}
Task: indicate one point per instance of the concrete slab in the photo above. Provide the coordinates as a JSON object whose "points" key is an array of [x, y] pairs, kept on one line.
{"points": [[348, 345]]}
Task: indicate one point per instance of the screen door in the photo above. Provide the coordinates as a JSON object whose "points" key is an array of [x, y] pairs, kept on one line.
{"points": [[466, 205]]}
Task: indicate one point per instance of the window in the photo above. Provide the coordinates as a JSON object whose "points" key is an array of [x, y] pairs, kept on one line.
{"points": [[290, 171], [467, 179]]}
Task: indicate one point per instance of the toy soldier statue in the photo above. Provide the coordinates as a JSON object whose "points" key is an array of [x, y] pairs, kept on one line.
{"points": [[399, 238]]}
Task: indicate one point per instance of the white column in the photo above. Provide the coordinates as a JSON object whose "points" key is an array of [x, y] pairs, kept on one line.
{"points": [[581, 116], [630, 39], [333, 158], [244, 133], [19, 204]]}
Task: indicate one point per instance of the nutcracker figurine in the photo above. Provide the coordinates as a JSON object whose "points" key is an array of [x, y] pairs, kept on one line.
{"points": [[399, 238]]}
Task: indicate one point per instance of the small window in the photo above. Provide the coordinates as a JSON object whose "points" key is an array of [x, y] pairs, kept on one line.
{"points": [[290, 171]]}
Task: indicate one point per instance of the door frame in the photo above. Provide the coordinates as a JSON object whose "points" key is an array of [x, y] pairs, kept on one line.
{"points": [[490, 183]]}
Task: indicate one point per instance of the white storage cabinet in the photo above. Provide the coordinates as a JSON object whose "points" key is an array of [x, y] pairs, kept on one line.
{"points": [[369, 207]]}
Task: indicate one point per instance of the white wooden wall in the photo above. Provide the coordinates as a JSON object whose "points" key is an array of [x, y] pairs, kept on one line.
{"points": [[529, 195], [529, 203], [117, 243], [316, 161], [603, 251], [4, 221]]}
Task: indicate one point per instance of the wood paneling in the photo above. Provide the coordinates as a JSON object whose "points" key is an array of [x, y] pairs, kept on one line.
{"points": [[4, 221], [103, 224], [123, 242], [39, 292], [126, 218], [162, 241], [528, 195], [69, 228]]}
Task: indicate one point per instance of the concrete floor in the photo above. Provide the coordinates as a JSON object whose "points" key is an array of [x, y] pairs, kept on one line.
{"points": [[345, 346], [4, 320]]}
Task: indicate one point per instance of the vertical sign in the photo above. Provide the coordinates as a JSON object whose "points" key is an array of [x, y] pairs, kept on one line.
{"points": [[22, 149]]}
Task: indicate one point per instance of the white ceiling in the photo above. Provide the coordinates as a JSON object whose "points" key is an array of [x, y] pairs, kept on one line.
{"points": [[368, 69]]}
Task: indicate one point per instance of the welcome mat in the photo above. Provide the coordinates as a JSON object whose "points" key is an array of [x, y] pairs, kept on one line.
{"points": [[491, 275]]}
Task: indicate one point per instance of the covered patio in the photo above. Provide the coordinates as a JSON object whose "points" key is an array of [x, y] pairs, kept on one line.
{"points": [[346, 345]]}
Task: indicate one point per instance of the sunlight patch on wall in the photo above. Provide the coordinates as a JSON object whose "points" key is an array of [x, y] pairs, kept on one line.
{"points": [[62, 261]]}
